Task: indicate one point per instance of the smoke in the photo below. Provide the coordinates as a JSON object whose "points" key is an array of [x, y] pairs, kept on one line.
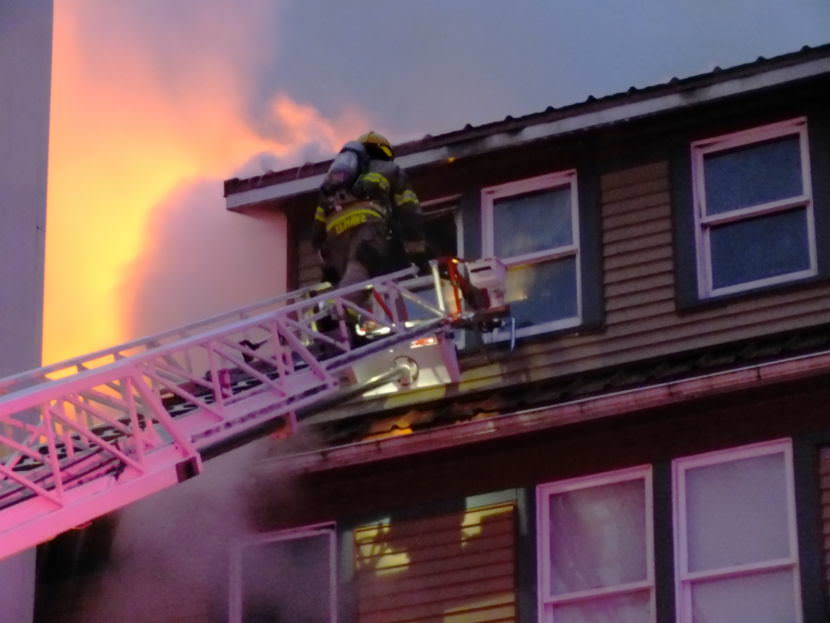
{"points": [[199, 260], [150, 112], [170, 554], [170, 558]]}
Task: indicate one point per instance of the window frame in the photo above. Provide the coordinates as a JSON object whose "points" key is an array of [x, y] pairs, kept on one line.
{"points": [[548, 181], [703, 223], [425, 282], [327, 529], [543, 493], [447, 203], [684, 580]]}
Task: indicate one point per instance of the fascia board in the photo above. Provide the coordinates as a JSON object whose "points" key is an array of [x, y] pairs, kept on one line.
{"points": [[543, 418]]}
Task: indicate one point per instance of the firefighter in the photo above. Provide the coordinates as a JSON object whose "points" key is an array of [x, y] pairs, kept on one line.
{"points": [[368, 221]]}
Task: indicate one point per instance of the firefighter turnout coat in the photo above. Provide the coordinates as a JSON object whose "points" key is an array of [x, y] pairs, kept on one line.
{"points": [[366, 234]]}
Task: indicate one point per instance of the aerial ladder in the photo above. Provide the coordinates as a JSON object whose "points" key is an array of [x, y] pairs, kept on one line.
{"points": [[84, 437]]}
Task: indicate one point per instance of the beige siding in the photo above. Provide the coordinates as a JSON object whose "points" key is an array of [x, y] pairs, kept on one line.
{"points": [[641, 319], [824, 467], [453, 567]]}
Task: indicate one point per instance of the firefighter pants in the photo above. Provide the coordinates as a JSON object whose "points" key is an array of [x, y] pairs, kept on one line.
{"points": [[358, 254]]}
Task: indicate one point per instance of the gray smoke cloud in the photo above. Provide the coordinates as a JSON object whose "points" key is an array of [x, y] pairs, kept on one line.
{"points": [[200, 260], [170, 554], [433, 66]]}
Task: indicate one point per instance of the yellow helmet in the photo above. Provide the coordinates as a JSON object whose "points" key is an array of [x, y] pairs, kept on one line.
{"points": [[377, 145]]}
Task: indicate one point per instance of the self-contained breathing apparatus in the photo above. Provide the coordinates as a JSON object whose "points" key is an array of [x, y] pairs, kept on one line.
{"points": [[343, 172], [351, 195]]}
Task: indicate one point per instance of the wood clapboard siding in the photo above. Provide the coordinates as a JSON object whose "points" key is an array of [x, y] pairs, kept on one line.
{"points": [[824, 475], [455, 567], [641, 319]]}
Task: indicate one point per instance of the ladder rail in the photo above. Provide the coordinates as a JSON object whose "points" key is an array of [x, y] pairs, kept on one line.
{"points": [[76, 365], [293, 300], [105, 375], [73, 448]]}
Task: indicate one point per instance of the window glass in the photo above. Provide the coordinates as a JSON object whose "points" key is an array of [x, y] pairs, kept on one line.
{"points": [[542, 292], [760, 247], [531, 225], [633, 608], [724, 500], [532, 222], [735, 534], [760, 598], [595, 549], [440, 233], [753, 174], [597, 537], [424, 288], [753, 209], [287, 580]]}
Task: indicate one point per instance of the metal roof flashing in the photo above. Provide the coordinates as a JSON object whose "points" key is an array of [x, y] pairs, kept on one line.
{"points": [[591, 114]]}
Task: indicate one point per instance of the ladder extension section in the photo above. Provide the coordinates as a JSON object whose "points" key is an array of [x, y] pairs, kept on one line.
{"points": [[90, 435]]}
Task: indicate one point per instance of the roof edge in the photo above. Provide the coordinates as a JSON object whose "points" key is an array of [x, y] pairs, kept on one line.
{"points": [[590, 114], [542, 418]]}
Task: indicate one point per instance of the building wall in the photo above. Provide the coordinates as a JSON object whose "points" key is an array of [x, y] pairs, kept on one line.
{"points": [[25, 71], [641, 317], [408, 493], [824, 473], [453, 566]]}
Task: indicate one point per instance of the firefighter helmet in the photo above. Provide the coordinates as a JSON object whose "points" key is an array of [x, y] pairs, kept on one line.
{"points": [[377, 145]]}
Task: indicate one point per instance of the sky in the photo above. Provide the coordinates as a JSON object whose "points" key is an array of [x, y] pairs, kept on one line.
{"points": [[155, 103]]}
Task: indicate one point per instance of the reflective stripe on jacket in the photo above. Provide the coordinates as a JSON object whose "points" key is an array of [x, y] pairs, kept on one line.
{"points": [[385, 190], [351, 216]]}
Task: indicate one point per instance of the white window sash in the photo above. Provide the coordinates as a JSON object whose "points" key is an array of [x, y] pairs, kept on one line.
{"points": [[546, 255], [685, 579], [327, 529], [704, 223], [543, 493], [741, 570], [548, 181], [600, 593], [782, 205]]}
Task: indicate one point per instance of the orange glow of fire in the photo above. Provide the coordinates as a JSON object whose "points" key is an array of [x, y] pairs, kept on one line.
{"points": [[122, 138]]}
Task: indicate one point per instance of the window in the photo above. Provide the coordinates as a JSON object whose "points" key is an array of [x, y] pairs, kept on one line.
{"points": [[533, 226], [285, 576], [753, 209], [596, 549], [442, 232], [736, 553], [442, 226]]}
